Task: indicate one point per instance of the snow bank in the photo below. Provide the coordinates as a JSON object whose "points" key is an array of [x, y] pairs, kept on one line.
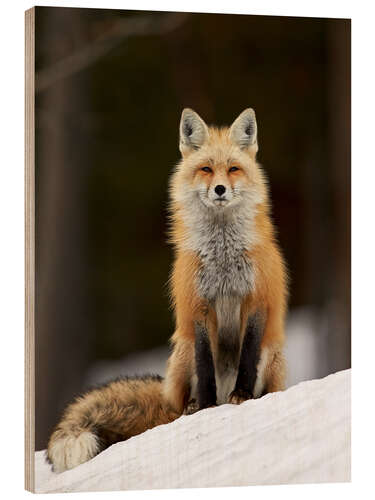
{"points": [[301, 435]]}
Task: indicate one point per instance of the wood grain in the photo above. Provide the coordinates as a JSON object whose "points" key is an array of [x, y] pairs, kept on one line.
{"points": [[29, 247]]}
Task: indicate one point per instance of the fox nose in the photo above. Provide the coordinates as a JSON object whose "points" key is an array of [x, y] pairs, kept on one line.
{"points": [[220, 189]]}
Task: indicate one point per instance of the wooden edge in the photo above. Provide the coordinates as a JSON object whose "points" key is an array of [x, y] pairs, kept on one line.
{"points": [[29, 248]]}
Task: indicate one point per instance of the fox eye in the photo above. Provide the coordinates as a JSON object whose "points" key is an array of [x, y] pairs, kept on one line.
{"points": [[206, 169], [233, 169]]}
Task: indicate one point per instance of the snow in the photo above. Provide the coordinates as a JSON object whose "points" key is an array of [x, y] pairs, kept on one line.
{"points": [[301, 435]]}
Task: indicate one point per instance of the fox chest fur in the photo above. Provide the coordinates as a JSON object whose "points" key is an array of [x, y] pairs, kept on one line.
{"points": [[226, 270], [221, 240]]}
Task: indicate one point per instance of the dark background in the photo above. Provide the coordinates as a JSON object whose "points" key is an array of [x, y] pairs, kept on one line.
{"points": [[110, 87]]}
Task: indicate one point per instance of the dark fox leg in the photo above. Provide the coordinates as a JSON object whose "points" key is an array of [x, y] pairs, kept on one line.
{"points": [[250, 354], [204, 368]]}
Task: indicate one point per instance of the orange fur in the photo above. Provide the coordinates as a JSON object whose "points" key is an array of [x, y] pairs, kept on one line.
{"points": [[270, 294]]}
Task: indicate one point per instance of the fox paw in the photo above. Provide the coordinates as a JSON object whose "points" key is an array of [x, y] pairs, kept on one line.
{"points": [[238, 396], [69, 451], [192, 407]]}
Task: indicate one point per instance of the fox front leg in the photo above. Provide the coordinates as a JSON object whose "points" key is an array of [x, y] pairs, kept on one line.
{"points": [[250, 354], [205, 369]]}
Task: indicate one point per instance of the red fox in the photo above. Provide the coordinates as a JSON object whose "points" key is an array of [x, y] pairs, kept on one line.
{"points": [[229, 293]]}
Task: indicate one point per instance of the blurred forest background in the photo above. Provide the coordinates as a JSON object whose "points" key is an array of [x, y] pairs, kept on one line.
{"points": [[110, 87]]}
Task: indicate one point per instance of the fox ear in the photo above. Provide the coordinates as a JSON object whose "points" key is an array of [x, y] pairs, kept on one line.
{"points": [[243, 131], [193, 131]]}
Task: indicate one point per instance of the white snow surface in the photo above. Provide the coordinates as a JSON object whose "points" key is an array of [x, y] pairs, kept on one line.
{"points": [[301, 435]]}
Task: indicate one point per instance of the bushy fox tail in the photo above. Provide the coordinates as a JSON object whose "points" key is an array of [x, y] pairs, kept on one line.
{"points": [[104, 416]]}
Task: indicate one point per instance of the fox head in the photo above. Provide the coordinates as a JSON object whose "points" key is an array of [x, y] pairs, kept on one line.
{"points": [[218, 169]]}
